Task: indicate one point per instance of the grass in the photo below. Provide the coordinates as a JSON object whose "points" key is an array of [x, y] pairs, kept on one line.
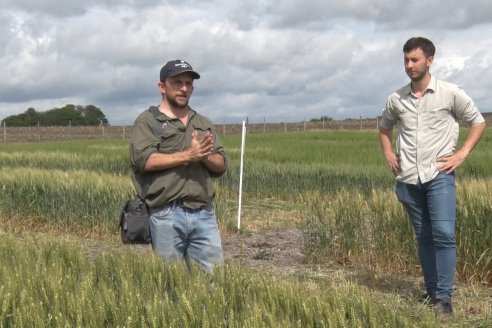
{"points": [[334, 186]]}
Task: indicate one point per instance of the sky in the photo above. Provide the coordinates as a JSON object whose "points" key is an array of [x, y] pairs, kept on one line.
{"points": [[263, 60]]}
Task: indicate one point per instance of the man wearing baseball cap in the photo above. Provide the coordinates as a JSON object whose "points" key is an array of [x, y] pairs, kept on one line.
{"points": [[175, 153]]}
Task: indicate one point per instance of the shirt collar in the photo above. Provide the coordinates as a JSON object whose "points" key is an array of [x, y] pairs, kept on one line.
{"points": [[191, 113], [431, 86]]}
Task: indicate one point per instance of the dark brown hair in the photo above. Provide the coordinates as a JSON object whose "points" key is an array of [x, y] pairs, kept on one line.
{"points": [[418, 42]]}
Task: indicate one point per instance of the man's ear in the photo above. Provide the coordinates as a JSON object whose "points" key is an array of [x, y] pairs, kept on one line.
{"points": [[430, 60], [161, 87]]}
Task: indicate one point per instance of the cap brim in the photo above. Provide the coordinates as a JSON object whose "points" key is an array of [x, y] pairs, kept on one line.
{"points": [[196, 76]]}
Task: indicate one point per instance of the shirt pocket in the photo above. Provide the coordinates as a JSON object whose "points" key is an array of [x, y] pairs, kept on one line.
{"points": [[171, 139], [439, 117], [408, 120], [201, 130]]}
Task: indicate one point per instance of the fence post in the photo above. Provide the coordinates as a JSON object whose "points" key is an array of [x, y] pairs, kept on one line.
{"points": [[264, 124], [123, 132], [4, 132], [285, 126]]}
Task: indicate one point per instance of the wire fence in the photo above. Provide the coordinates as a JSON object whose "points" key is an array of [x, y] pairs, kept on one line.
{"points": [[49, 133]]}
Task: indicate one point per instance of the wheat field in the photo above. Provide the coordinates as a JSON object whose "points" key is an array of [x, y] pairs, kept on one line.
{"points": [[333, 185]]}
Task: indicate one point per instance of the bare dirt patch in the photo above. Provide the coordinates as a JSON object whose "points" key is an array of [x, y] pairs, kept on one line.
{"points": [[277, 249], [274, 248]]}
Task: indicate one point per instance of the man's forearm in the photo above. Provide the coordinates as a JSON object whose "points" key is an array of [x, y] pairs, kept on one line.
{"points": [[474, 135], [215, 163], [160, 161], [385, 138]]}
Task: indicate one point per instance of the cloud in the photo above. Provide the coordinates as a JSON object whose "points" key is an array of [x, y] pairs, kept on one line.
{"points": [[51, 7], [284, 60], [401, 15]]}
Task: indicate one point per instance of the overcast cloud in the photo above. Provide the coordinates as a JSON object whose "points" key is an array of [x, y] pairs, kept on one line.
{"points": [[287, 60]]}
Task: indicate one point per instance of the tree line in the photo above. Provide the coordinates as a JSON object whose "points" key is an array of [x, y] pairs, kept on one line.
{"points": [[75, 115]]}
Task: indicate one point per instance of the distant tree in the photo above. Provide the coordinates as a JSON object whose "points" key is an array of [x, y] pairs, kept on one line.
{"points": [[93, 115], [322, 118], [28, 118], [68, 115], [31, 111]]}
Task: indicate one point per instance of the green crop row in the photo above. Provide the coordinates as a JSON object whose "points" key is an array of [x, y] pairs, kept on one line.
{"points": [[373, 231], [109, 156], [337, 181], [61, 198], [47, 283]]}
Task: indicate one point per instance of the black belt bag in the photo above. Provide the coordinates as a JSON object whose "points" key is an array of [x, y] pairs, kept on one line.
{"points": [[134, 222]]}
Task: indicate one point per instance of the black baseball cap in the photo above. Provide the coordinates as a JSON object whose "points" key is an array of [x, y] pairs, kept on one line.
{"points": [[176, 67]]}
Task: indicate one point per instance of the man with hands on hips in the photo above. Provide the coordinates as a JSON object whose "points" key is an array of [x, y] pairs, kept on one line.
{"points": [[427, 112]]}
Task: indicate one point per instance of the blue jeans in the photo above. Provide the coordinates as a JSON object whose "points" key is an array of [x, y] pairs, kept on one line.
{"points": [[180, 233], [432, 210]]}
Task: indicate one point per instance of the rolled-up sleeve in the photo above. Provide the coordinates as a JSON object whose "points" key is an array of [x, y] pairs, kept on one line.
{"points": [[465, 108], [219, 149], [388, 117], [143, 142]]}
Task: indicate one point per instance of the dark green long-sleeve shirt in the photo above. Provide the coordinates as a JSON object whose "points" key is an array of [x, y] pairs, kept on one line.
{"points": [[191, 183]]}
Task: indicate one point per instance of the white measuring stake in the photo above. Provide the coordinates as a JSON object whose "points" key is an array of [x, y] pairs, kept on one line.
{"points": [[243, 138]]}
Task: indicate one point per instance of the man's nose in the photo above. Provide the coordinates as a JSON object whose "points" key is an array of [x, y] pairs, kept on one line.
{"points": [[185, 87]]}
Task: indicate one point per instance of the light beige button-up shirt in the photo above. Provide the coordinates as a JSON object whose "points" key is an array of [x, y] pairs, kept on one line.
{"points": [[428, 127]]}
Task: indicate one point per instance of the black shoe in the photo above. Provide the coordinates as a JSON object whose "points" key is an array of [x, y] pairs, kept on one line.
{"points": [[427, 299], [444, 308]]}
